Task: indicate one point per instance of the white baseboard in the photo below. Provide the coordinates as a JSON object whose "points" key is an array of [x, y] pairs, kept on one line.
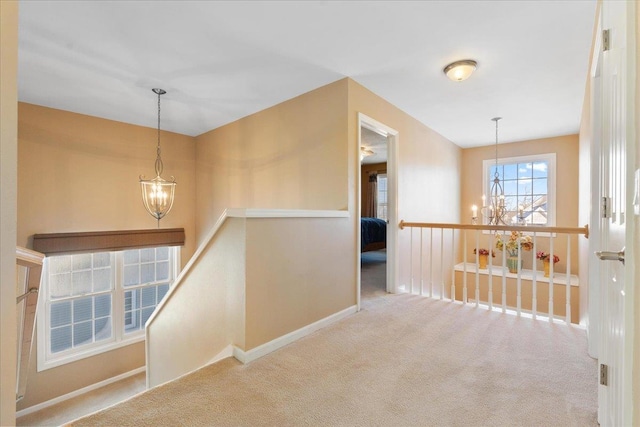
{"points": [[266, 348], [78, 392]]}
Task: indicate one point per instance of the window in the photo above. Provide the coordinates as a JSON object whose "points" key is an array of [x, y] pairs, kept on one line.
{"points": [[529, 187], [381, 210], [95, 302]]}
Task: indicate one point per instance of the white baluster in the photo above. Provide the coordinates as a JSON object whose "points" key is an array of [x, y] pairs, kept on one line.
{"points": [[568, 307], [504, 275], [477, 268], [534, 284], [453, 270], [442, 263], [551, 279], [464, 270], [491, 252], [421, 267], [519, 280], [411, 261], [431, 264]]}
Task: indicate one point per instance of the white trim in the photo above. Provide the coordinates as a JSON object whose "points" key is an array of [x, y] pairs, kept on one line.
{"points": [[266, 348], [559, 278], [225, 353], [393, 143], [78, 392], [285, 213]]}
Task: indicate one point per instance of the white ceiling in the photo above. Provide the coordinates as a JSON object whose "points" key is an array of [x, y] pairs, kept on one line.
{"points": [[220, 61]]}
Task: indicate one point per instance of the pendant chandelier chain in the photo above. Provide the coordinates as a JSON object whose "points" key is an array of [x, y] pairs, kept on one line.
{"points": [[159, 165]]}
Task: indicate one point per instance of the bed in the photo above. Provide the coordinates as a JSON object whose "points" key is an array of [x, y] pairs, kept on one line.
{"points": [[373, 234]]}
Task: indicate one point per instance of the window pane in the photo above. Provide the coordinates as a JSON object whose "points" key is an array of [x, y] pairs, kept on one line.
{"points": [[524, 170], [132, 321], [59, 264], [131, 275], [146, 313], [102, 305], [162, 291], [60, 285], [102, 259], [81, 261], [540, 186], [132, 256], [82, 333], [81, 282], [102, 279], [162, 253], [540, 169], [60, 339], [132, 300], [82, 309], [510, 172], [102, 328], [149, 296], [510, 188], [162, 271], [147, 273], [60, 313], [147, 255]]}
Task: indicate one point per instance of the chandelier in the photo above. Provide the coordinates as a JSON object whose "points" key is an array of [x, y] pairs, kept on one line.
{"points": [[157, 193], [495, 210]]}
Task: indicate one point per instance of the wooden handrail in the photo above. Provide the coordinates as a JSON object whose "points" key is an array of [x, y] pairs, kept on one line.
{"points": [[525, 228]]}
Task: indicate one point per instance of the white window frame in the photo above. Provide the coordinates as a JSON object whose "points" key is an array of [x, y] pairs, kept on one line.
{"points": [[386, 204], [47, 360], [550, 158]]}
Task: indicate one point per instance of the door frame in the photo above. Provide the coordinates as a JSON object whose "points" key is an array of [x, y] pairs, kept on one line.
{"points": [[393, 139]]}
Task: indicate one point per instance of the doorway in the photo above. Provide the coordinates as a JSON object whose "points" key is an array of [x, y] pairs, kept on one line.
{"points": [[377, 208]]}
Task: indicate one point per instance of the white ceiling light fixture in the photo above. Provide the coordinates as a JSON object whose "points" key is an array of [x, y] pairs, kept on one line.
{"points": [[365, 152], [157, 193], [460, 70]]}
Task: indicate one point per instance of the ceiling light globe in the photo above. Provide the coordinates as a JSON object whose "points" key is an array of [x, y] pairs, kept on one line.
{"points": [[460, 70]]}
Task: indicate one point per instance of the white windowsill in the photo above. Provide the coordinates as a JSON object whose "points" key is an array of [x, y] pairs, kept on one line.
{"points": [[559, 278]]}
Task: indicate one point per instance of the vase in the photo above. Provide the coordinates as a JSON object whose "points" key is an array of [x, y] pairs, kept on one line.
{"points": [[512, 264], [482, 261], [545, 263]]}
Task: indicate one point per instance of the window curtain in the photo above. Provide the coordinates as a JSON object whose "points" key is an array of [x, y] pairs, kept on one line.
{"points": [[370, 208]]}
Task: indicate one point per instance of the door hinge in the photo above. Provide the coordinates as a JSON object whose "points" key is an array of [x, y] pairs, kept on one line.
{"points": [[604, 374], [606, 207], [605, 40]]}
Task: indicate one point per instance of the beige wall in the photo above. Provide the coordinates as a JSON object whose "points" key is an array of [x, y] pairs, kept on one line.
{"points": [[290, 156], [80, 173], [567, 156], [8, 175], [297, 274], [428, 167]]}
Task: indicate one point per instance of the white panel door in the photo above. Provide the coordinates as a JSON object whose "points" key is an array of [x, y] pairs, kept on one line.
{"points": [[616, 289]]}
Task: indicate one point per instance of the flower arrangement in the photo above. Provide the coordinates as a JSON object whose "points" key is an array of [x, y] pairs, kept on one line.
{"points": [[547, 257], [483, 251], [516, 241]]}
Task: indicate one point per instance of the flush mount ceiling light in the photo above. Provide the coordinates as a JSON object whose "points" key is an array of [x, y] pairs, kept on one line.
{"points": [[157, 193], [365, 152], [460, 70]]}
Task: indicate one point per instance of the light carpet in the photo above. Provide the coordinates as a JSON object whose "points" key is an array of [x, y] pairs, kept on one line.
{"points": [[403, 360]]}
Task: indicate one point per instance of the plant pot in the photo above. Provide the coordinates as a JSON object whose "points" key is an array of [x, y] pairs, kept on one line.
{"points": [[513, 265], [482, 261], [545, 263]]}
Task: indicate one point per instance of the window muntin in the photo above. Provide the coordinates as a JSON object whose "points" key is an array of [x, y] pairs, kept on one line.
{"points": [[529, 188], [98, 301]]}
